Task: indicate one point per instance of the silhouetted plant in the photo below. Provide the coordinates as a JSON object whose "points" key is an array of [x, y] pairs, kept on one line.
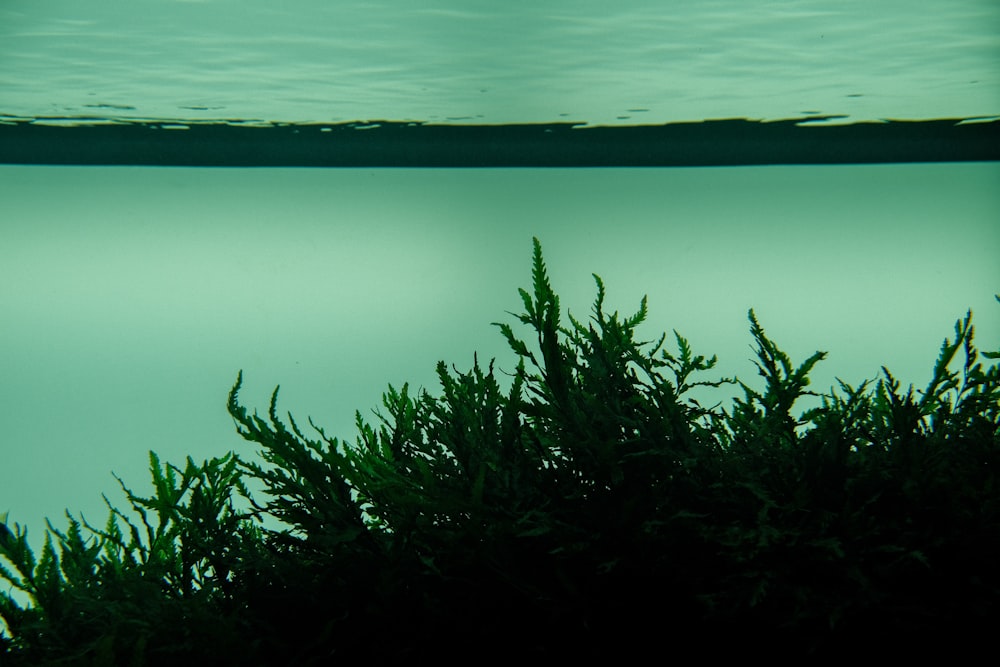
{"points": [[161, 588], [591, 509]]}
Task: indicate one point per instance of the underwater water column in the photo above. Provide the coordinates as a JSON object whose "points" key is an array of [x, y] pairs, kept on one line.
{"points": [[131, 296]]}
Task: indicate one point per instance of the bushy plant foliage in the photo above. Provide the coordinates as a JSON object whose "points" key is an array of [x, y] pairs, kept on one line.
{"points": [[164, 585], [591, 509]]}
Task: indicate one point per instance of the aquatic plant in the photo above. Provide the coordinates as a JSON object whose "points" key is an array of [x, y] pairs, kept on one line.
{"points": [[163, 584], [593, 508]]}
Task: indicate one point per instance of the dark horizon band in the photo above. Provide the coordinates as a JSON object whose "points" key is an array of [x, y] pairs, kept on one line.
{"points": [[90, 141]]}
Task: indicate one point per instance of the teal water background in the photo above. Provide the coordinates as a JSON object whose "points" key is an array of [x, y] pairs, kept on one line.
{"points": [[130, 297], [473, 61]]}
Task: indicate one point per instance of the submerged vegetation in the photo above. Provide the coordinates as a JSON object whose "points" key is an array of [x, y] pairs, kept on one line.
{"points": [[592, 509]]}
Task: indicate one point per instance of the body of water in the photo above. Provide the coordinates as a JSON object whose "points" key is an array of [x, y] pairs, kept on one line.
{"points": [[471, 61], [131, 297]]}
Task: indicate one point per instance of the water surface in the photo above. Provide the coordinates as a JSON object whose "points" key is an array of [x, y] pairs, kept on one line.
{"points": [[472, 61]]}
